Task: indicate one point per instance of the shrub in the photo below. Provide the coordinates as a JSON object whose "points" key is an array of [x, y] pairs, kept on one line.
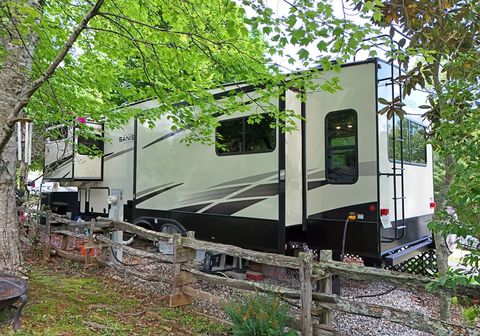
{"points": [[258, 315]]}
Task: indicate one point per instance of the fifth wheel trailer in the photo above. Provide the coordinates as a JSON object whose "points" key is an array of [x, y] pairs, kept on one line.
{"points": [[264, 188]]}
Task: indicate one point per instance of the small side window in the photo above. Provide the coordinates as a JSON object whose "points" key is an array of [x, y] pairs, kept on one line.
{"points": [[230, 136], [401, 126], [89, 146], [341, 147], [417, 142], [413, 138], [237, 136]]}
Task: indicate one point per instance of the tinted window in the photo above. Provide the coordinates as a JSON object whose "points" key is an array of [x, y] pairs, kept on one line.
{"points": [[414, 141], [237, 136], [230, 135], [89, 146], [341, 147], [401, 127], [417, 141]]}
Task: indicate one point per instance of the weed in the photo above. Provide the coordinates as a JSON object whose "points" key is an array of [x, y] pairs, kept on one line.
{"points": [[258, 315], [472, 314]]}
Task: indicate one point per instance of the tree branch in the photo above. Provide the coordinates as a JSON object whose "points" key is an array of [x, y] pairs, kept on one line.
{"points": [[164, 30], [27, 95]]}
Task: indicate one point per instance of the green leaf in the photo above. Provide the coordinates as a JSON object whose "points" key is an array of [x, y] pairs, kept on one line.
{"points": [[383, 101], [303, 54]]}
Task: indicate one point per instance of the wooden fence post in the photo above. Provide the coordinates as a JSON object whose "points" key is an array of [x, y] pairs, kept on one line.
{"points": [[88, 244], [306, 262], [181, 278], [46, 245], [325, 286]]}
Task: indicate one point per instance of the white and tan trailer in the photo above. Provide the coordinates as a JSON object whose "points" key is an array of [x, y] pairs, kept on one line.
{"points": [[263, 188]]}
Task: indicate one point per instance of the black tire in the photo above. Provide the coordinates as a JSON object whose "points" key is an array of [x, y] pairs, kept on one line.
{"points": [[172, 227], [144, 224]]}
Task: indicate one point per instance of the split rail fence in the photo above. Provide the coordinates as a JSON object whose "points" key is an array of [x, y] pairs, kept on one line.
{"points": [[315, 306]]}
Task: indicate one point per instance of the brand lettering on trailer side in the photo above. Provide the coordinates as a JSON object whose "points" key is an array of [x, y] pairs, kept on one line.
{"points": [[126, 138]]}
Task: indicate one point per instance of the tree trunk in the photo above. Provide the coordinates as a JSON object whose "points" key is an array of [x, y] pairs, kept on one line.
{"points": [[16, 90], [13, 79], [442, 251]]}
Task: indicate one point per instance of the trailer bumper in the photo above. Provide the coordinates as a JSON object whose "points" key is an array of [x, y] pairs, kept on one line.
{"points": [[394, 257]]}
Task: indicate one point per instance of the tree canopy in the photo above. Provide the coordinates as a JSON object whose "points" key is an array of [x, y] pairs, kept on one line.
{"points": [[64, 60], [169, 50], [442, 37]]}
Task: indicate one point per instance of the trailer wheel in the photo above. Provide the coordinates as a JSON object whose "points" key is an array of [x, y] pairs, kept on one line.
{"points": [[144, 224], [171, 227]]}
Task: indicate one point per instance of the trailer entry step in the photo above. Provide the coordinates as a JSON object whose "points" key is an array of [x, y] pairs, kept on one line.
{"points": [[407, 253]]}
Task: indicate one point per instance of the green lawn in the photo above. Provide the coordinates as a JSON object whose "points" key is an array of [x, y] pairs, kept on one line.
{"points": [[63, 301]]}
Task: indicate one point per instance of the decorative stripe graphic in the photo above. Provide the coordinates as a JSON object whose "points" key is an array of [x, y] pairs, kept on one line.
{"points": [[143, 192], [192, 208], [229, 208], [163, 137], [316, 184], [248, 179], [270, 189], [367, 168], [158, 192], [112, 155], [210, 195], [316, 175]]}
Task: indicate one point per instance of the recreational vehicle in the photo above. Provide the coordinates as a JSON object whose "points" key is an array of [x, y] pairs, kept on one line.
{"points": [[347, 179]]}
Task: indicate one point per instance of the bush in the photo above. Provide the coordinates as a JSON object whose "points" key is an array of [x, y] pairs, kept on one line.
{"points": [[258, 315]]}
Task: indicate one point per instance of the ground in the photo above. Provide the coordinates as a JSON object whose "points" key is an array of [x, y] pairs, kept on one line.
{"points": [[64, 299]]}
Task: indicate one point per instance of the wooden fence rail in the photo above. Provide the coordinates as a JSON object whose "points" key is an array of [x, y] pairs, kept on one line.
{"points": [[318, 304]]}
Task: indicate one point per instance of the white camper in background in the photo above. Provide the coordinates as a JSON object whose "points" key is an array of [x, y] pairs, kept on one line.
{"points": [[265, 188]]}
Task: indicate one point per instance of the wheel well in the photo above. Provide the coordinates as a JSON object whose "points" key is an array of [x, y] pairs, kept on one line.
{"points": [[143, 223]]}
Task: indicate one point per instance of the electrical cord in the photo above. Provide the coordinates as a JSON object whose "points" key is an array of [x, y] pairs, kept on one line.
{"points": [[345, 226]]}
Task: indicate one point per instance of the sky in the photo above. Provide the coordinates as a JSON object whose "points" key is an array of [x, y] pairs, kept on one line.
{"points": [[281, 7]]}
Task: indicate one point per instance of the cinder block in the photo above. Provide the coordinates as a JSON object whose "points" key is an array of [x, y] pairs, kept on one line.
{"points": [[255, 276]]}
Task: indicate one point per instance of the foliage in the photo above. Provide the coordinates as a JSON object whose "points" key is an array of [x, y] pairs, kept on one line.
{"points": [[472, 314], [470, 309], [258, 315], [174, 51], [442, 39]]}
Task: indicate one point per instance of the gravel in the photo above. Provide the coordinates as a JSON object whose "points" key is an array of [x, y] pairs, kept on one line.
{"points": [[399, 298], [348, 324]]}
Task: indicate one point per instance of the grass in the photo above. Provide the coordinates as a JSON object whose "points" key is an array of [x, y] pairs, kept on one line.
{"points": [[62, 301]]}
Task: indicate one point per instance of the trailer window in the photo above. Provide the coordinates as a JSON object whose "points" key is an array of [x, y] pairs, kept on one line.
{"points": [[417, 139], [341, 147], [414, 141], [238, 136], [89, 146], [401, 126]]}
